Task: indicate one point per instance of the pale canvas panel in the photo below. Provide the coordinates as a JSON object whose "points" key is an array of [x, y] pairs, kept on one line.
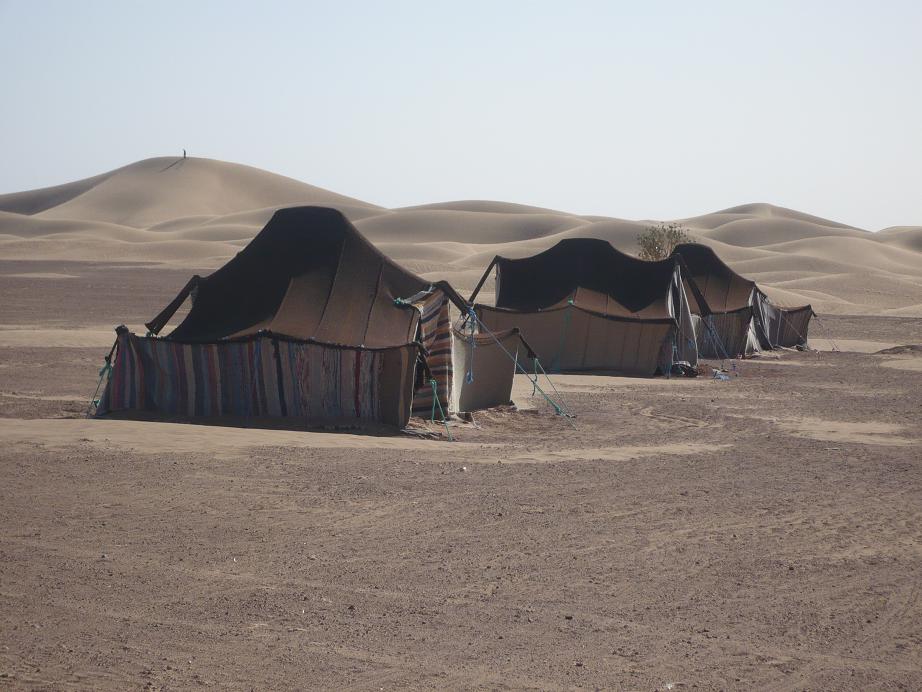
{"points": [[484, 369]]}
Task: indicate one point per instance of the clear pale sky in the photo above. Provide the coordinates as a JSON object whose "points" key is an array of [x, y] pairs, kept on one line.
{"points": [[637, 110]]}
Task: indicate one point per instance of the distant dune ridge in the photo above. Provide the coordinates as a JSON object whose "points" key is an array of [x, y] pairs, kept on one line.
{"points": [[199, 212]]}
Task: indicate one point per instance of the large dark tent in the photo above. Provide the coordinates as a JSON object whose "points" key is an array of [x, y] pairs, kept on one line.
{"points": [[308, 321], [583, 305], [740, 318]]}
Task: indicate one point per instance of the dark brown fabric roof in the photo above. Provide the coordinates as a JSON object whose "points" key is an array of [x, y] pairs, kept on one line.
{"points": [[309, 274], [590, 273], [723, 289]]}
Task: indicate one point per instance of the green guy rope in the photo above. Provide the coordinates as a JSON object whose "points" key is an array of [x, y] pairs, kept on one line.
{"points": [[103, 375], [436, 402], [563, 404]]}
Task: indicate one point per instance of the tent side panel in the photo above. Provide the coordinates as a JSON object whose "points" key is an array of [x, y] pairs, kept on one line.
{"points": [[684, 336], [753, 342], [490, 367], [261, 377], [582, 341], [785, 327], [544, 332], [632, 348], [724, 334], [398, 376], [796, 325], [762, 310], [601, 344], [435, 335]]}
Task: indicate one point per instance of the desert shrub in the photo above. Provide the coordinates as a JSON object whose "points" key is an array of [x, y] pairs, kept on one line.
{"points": [[658, 242]]}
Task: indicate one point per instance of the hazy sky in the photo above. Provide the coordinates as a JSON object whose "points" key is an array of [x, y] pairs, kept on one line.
{"points": [[629, 109]]}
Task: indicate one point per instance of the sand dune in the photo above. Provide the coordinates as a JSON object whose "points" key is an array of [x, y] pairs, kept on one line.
{"points": [[200, 212], [160, 189], [907, 237], [757, 232], [483, 205], [766, 211], [473, 227]]}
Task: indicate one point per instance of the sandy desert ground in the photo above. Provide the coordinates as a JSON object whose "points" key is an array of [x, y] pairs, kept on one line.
{"points": [[761, 533]]}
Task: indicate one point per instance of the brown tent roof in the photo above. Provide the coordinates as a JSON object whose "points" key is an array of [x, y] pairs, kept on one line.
{"points": [[309, 274], [723, 289], [590, 274]]}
